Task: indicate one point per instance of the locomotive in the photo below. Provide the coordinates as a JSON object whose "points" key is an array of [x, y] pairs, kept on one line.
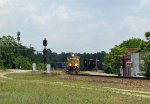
{"points": [[73, 64]]}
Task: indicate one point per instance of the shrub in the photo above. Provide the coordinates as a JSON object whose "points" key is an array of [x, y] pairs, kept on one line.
{"points": [[23, 63], [41, 66], [147, 64]]}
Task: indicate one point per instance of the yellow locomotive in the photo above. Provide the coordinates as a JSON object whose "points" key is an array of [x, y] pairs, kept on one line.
{"points": [[73, 63]]}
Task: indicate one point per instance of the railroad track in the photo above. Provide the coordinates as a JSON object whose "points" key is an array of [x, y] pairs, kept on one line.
{"points": [[106, 76]]}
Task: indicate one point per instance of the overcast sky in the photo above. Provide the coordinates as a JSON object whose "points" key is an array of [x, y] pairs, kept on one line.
{"points": [[75, 25]]}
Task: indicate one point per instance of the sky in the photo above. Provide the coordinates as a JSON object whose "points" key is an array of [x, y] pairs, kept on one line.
{"points": [[75, 25]]}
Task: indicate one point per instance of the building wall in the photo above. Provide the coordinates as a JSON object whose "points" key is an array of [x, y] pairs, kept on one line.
{"points": [[135, 59], [126, 66]]}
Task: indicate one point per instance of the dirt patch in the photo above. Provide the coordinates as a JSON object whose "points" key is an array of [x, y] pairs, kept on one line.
{"points": [[9, 71]]}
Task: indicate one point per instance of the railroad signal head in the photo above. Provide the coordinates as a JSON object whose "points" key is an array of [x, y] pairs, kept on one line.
{"points": [[18, 36], [44, 51], [45, 42]]}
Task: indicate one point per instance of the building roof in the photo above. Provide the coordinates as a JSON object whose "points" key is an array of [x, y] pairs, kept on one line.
{"points": [[130, 50]]}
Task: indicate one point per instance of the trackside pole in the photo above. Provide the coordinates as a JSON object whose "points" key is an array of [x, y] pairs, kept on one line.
{"points": [[34, 67], [48, 68]]}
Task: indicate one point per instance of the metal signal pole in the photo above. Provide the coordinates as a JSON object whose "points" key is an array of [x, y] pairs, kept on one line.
{"points": [[45, 51]]}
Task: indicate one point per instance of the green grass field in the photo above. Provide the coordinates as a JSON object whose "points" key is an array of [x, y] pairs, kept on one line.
{"points": [[37, 88]]}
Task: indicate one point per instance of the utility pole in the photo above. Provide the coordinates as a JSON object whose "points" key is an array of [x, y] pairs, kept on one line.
{"points": [[96, 66]]}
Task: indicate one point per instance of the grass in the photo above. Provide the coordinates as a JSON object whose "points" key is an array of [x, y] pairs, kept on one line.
{"points": [[37, 88]]}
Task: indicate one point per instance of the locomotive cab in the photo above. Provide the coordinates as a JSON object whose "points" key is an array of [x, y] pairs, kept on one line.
{"points": [[73, 63]]}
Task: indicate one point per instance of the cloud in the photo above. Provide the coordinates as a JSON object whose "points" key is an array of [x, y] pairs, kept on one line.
{"points": [[4, 7], [30, 8], [143, 4], [66, 28], [136, 25], [60, 13], [4, 3], [74, 25], [109, 4], [72, 29]]}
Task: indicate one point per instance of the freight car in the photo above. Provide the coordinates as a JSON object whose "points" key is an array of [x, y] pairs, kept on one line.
{"points": [[90, 64]]}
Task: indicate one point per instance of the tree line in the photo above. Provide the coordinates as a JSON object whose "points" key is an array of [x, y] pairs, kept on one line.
{"points": [[14, 54]]}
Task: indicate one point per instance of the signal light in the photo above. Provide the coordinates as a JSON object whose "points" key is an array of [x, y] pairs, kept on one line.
{"points": [[44, 51], [18, 36], [45, 42]]}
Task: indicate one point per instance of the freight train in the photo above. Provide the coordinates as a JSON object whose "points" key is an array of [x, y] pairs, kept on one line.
{"points": [[74, 65]]}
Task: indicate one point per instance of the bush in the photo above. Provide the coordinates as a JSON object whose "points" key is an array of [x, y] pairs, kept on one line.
{"points": [[41, 66], [147, 64], [1, 64], [23, 63]]}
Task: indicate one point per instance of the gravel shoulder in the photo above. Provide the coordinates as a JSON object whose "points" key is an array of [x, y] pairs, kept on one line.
{"points": [[138, 83]]}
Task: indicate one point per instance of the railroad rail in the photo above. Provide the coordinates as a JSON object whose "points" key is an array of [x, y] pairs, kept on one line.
{"points": [[106, 76]]}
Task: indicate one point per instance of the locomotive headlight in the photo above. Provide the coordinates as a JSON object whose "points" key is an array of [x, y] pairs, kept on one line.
{"points": [[76, 64]]}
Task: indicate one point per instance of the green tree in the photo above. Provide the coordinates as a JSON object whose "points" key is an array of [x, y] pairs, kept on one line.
{"points": [[1, 64], [26, 52], [146, 48], [146, 45], [147, 35], [147, 64], [41, 66], [8, 45], [113, 59], [10, 49], [23, 62], [132, 43]]}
